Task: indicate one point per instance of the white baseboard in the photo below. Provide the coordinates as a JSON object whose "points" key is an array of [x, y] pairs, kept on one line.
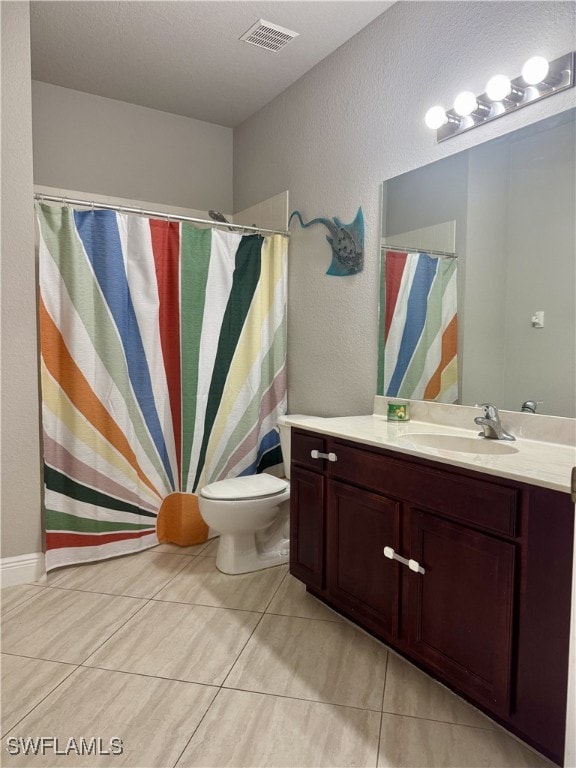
{"points": [[22, 569]]}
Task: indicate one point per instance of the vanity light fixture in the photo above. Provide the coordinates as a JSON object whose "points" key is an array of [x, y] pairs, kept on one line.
{"points": [[535, 70], [437, 116], [466, 104], [539, 79]]}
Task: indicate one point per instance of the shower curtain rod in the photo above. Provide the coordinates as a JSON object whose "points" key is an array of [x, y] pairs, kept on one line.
{"points": [[443, 254], [156, 214]]}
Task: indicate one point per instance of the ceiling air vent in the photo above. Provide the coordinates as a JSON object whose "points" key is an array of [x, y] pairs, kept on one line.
{"points": [[264, 34]]}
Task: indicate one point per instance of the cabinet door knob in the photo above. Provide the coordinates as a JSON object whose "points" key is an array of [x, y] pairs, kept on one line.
{"points": [[414, 565], [389, 553], [318, 455]]}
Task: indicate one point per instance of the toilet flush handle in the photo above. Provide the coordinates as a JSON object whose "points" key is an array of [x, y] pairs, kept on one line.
{"points": [[318, 455]]}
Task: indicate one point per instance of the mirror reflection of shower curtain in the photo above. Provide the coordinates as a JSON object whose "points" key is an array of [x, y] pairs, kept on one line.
{"points": [[418, 327], [163, 369]]}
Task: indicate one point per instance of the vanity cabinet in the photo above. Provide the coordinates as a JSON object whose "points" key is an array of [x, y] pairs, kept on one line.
{"points": [[359, 578], [468, 576], [307, 511], [459, 612]]}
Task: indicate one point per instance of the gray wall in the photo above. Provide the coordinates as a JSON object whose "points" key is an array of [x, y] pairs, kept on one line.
{"points": [[88, 143], [355, 120], [20, 487]]}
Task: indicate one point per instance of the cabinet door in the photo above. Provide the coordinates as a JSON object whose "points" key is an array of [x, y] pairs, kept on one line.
{"points": [[459, 613], [307, 526], [359, 578]]}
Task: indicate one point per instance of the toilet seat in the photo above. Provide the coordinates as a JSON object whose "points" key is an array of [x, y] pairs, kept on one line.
{"points": [[245, 488]]}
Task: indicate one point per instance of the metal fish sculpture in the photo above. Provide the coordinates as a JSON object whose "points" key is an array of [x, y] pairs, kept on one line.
{"points": [[346, 241]]}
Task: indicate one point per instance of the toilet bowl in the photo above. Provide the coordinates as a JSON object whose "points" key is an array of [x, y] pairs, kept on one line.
{"points": [[252, 516]]}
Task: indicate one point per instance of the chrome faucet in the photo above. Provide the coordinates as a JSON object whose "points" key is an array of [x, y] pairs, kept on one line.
{"points": [[530, 406], [490, 423]]}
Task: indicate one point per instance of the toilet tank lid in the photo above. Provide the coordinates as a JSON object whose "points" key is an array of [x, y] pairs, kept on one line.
{"points": [[246, 487]]}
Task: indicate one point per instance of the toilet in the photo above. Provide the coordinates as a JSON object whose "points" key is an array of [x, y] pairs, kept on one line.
{"points": [[252, 515]]}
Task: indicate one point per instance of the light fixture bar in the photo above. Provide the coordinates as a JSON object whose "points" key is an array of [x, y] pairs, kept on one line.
{"points": [[559, 77]]}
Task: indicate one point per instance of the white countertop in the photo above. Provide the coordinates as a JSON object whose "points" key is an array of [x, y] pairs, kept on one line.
{"points": [[536, 462]]}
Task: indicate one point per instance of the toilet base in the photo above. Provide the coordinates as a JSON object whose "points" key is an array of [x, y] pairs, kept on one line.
{"points": [[248, 552]]}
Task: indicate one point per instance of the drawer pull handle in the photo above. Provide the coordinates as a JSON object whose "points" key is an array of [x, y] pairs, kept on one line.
{"points": [[318, 455], [414, 565]]}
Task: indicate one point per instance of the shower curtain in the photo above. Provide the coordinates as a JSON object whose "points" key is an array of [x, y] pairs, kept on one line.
{"points": [[163, 368], [418, 327]]}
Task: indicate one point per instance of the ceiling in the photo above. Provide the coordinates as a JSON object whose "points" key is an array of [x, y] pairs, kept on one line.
{"points": [[184, 56]]}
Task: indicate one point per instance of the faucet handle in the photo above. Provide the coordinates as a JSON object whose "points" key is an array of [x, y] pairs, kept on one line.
{"points": [[490, 410]]}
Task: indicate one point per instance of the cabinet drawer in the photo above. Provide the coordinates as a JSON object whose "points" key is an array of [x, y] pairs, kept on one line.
{"points": [[478, 502], [302, 447]]}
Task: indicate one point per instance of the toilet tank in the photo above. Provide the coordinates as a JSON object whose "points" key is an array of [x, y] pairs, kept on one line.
{"points": [[283, 427], [284, 430]]}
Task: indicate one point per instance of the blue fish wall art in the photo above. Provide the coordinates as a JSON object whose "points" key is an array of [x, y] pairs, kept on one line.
{"points": [[346, 241]]}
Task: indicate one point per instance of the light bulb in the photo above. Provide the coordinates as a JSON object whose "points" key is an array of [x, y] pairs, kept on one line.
{"points": [[535, 70], [435, 117], [465, 103], [498, 87]]}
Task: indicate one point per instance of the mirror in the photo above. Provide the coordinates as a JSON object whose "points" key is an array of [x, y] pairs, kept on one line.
{"points": [[507, 209]]}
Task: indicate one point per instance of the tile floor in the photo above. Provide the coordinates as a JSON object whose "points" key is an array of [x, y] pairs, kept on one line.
{"points": [[189, 667]]}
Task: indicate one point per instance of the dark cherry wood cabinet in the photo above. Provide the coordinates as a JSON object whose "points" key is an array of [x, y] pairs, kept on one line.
{"points": [[467, 576], [358, 527], [459, 614], [307, 527], [307, 510]]}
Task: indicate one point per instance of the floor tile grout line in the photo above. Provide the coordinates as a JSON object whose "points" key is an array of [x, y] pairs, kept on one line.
{"points": [[185, 558], [242, 649], [224, 687], [446, 722], [282, 580], [63, 570], [25, 600], [49, 693], [178, 572], [300, 698], [277, 696], [208, 708], [149, 676], [93, 592], [254, 630], [308, 618], [94, 650], [205, 605], [379, 739], [382, 708]]}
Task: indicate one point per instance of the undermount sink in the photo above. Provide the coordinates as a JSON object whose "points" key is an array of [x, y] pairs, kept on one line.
{"points": [[459, 443]]}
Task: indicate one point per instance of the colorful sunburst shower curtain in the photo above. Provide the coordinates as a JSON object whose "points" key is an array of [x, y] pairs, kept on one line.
{"points": [[418, 327], [163, 368]]}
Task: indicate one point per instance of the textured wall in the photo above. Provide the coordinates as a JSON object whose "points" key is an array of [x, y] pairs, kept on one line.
{"points": [[88, 143], [20, 487], [355, 120]]}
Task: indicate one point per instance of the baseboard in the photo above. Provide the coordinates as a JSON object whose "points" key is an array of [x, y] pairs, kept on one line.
{"points": [[22, 569]]}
